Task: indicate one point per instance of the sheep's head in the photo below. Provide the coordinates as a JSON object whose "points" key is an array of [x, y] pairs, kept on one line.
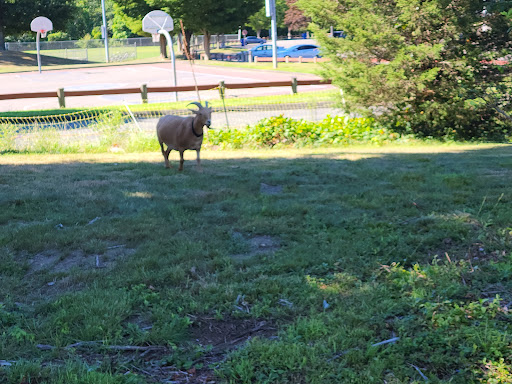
{"points": [[205, 113]]}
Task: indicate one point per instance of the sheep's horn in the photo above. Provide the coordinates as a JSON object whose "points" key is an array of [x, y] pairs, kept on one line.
{"points": [[196, 103]]}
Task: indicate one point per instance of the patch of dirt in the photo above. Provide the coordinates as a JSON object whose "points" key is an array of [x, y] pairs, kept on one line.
{"points": [[268, 189], [221, 336], [54, 261], [257, 245], [224, 335]]}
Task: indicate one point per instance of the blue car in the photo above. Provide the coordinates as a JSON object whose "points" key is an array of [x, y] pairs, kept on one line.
{"points": [[304, 50], [253, 40], [264, 50]]}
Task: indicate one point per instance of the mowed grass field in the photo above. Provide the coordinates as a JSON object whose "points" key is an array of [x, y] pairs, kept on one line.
{"points": [[335, 265]]}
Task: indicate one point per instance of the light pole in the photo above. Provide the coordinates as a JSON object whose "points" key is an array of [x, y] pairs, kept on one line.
{"points": [[104, 30], [270, 7]]}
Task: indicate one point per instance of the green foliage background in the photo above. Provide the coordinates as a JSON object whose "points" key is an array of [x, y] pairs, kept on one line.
{"points": [[423, 67]]}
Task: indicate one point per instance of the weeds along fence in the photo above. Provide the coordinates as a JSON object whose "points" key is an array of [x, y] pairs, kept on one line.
{"points": [[132, 127]]}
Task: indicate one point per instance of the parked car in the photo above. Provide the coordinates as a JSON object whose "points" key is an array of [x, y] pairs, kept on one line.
{"points": [[264, 50], [253, 40], [304, 50]]}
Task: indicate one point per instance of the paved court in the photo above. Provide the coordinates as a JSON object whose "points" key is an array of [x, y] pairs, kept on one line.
{"points": [[129, 76]]}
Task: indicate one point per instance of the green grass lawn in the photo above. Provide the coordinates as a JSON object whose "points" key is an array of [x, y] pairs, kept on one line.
{"points": [[335, 265]]}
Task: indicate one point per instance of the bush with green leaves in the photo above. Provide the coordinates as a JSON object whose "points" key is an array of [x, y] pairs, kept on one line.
{"points": [[281, 131], [429, 68]]}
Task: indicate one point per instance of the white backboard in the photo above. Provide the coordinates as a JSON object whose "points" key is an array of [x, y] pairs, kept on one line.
{"points": [[41, 24], [157, 20]]}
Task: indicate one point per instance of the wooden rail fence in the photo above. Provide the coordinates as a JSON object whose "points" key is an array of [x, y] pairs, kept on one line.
{"points": [[61, 94]]}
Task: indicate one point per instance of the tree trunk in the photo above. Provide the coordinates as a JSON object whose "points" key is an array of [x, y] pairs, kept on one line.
{"points": [[188, 40], [258, 33], [179, 41], [2, 36], [163, 47], [289, 33], [206, 43]]}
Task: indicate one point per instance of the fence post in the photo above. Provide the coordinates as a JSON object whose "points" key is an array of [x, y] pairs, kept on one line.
{"points": [[222, 91], [294, 84], [144, 93], [61, 96]]}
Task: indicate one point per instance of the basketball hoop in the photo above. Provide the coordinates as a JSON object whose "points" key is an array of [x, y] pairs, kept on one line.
{"points": [[41, 25], [156, 37]]}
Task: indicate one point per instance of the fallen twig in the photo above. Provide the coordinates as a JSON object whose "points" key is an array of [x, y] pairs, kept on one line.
{"points": [[419, 371], [46, 347], [393, 340], [337, 356]]}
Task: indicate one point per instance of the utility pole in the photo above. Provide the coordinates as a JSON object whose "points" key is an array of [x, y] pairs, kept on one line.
{"points": [[270, 7], [104, 30]]}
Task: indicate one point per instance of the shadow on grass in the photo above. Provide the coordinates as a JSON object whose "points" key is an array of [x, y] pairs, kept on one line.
{"points": [[362, 247]]}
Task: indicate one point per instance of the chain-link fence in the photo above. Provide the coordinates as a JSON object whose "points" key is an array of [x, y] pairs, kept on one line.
{"points": [[119, 49], [124, 124]]}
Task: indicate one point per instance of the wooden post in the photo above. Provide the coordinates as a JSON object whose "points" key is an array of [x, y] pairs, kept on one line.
{"points": [[294, 84], [300, 59], [144, 93], [287, 59], [222, 89], [61, 96]]}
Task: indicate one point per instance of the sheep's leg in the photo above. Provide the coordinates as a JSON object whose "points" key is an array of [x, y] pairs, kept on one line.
{"points": [[198, 160], [166, 155], [181, 161]]}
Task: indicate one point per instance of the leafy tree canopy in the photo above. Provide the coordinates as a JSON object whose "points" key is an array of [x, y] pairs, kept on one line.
{"points": [[424, 66], [16, 15]]}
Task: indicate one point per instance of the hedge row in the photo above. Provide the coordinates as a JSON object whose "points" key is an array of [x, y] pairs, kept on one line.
{"points": [[284, 131]]}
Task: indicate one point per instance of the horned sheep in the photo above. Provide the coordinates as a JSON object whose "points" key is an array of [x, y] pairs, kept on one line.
{"points": [[182, 133]]}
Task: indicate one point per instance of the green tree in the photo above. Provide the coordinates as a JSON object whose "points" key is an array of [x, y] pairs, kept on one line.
{"points": [[201, 16], [16, 15], [423, 66], [259, 19]]}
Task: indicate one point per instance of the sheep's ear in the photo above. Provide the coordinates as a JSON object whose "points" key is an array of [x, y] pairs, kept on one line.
{"points": [[206, 104]]}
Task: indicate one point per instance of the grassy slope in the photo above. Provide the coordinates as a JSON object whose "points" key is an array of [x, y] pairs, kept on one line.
{"points": [[313, 254]]}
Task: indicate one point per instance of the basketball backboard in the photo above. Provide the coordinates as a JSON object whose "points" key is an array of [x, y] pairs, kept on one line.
{"points": [[155, 21], [41, 24]]}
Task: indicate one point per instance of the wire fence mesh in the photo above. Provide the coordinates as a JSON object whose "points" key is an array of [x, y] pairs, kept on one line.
{"points": [[124, 127]]}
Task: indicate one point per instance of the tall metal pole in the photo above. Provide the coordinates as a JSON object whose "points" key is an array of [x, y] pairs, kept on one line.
{"points": [[104, 29], [270, 6], [38, 53], [173, 59]]}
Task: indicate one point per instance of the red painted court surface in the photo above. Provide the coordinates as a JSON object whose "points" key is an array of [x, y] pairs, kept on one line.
{"points": [[130, 76]]}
